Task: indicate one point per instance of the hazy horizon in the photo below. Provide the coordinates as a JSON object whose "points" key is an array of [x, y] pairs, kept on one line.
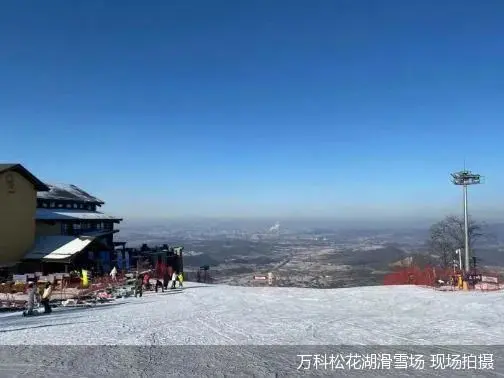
{"points": [[419, 222], [367, 212]]}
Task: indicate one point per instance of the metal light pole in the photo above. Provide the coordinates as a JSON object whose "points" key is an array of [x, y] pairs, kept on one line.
{"points": [[459, 253], [465, 178]]}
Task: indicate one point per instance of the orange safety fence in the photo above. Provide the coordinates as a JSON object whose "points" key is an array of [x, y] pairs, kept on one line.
{"points": [[9, 291], [101, 283], [429, 276], [417, 276], [75, 284]]}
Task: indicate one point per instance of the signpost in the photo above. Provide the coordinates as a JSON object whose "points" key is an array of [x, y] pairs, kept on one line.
{"points": [[488, 279]]}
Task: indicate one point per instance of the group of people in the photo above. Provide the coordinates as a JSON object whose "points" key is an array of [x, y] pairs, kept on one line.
{"points": [[143, 281], [43, 298]]}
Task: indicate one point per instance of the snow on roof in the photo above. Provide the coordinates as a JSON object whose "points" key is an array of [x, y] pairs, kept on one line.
{"points": [[62, 214], [57, 247], [68, 192]]}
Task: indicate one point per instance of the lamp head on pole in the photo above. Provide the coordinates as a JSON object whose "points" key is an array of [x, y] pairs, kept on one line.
{"points": [[465, 178]]}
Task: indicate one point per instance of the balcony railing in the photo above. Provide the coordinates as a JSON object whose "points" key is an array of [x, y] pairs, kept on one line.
{"points": [[84, 231]]}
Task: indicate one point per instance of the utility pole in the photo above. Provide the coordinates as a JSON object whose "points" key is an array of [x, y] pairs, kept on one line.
{"points": [[465, 178], [459, 253]]}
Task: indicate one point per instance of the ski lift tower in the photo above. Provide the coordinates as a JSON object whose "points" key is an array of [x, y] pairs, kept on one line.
{"points": [[465, 178]]}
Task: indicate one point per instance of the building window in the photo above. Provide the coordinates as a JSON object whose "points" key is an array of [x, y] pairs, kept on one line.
{"points": [[65, 228], [77, 226], [75, 206], [52, 205], [60, 205], [44, 204], [69, 205], [88, 207], [81, 206]]}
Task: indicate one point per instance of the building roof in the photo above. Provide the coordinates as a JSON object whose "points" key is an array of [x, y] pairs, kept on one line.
{"points": [[18, 168], [57, 248], [68, 192], [64, 214]]}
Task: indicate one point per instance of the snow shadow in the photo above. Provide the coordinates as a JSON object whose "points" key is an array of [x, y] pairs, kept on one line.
{"points": [[141, 303], [57, 313], [64, 310], [45, 326], [170, 292], [196, 287]]}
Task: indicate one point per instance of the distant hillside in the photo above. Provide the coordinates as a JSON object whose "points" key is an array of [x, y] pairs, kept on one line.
{"points": [[485, 257], [418, 259], [377, 258], [489, 256], [199, 260]]}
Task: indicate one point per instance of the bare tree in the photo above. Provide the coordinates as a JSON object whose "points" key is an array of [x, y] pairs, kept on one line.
{"points": [[448, 235]]}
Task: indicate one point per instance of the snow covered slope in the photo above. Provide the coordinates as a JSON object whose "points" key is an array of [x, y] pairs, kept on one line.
{"points": [[225, 315]]}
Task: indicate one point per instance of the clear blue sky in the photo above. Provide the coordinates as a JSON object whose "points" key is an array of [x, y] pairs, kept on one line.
{"points": [[280, 108]]}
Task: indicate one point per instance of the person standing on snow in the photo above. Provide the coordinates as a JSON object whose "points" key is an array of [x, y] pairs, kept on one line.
{"points": [[159, 284], [169, 274], [139, 286], [173, 279], [46, 297], [113, 273], [146, 281], [180, 278], [166, 278], [32, 292]]}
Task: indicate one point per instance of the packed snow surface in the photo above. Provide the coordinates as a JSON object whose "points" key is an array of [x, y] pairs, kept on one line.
{"points": [[227, 315]]}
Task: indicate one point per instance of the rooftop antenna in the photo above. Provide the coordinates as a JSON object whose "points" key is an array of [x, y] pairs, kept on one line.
{"points": [[465, 178]]}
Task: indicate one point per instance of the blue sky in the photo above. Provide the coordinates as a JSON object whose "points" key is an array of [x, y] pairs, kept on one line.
{"points": [[257, 108]]}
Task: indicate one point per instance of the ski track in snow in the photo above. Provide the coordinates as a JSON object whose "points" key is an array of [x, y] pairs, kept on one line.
{"points": [[227, 315]]}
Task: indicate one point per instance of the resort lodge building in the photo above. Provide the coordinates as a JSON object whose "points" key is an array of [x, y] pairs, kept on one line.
{"points": [[52, 227]]}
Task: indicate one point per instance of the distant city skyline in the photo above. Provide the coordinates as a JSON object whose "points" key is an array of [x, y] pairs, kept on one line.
{"points": [[272, 109]]}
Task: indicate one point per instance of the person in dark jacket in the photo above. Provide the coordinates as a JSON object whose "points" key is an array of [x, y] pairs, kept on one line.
{"points": [[166, 279], [159, 284]]}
